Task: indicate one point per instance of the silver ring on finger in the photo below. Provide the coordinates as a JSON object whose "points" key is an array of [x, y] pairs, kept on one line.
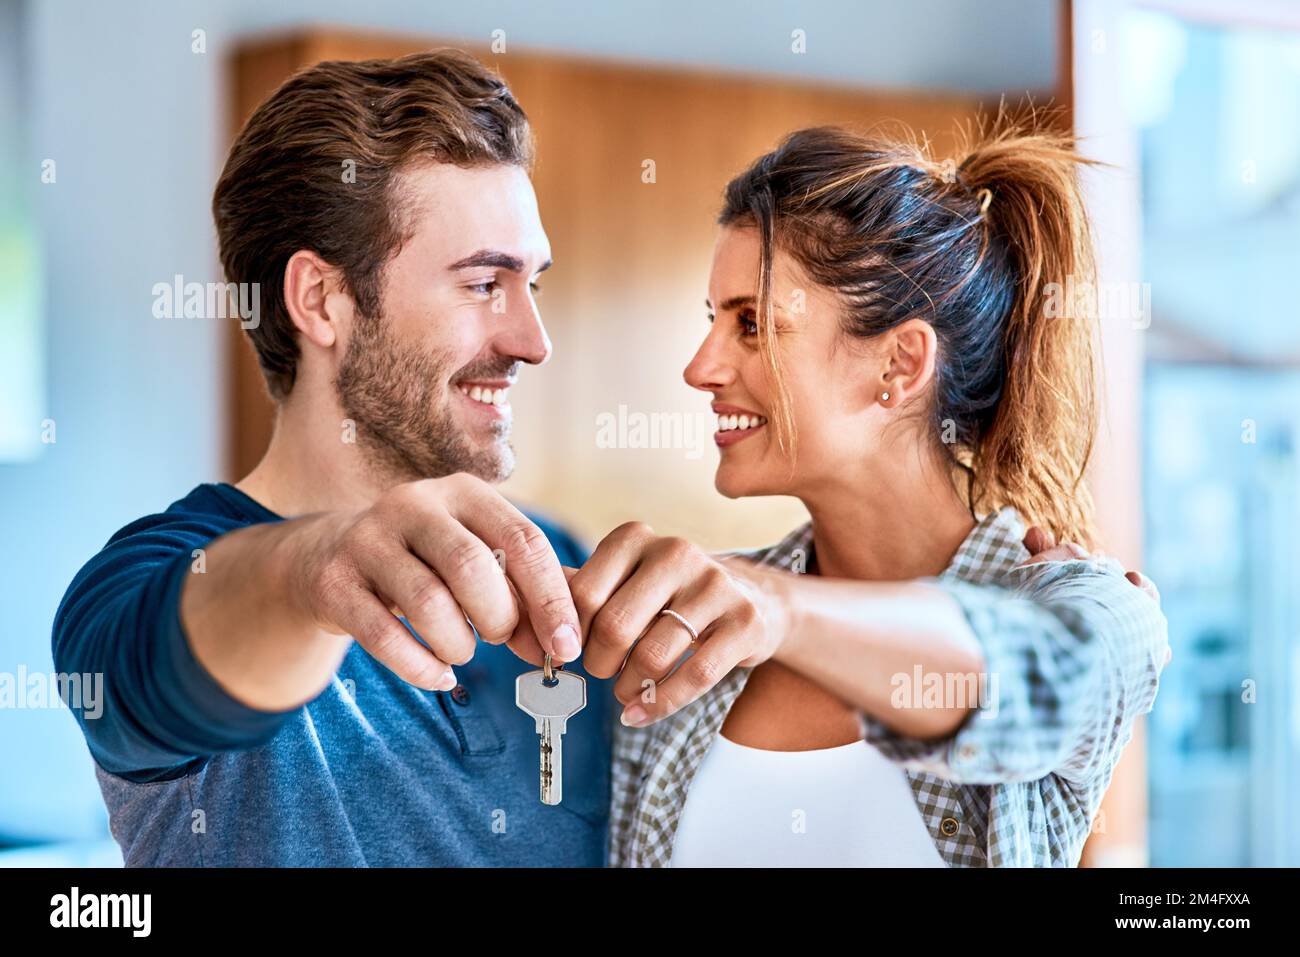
{"points": [[695, 635]]}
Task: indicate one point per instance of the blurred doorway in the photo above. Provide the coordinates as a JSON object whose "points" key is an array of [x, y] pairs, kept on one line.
{"points": [[1215, 105]]}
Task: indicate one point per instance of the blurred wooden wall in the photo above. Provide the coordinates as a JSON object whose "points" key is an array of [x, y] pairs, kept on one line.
{"points": [[624, 304]]}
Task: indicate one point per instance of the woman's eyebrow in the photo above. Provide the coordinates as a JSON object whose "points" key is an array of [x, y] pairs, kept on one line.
{"points": [[733, 302]]}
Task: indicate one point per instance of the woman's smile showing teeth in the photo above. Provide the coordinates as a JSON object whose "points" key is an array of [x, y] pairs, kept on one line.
{"points": [[735, 424]]}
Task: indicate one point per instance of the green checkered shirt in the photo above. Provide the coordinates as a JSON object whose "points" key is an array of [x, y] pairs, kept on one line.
{"points": [[1076, 651]]}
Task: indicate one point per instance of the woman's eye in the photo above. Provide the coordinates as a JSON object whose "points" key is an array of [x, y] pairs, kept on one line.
{"points": [[748, 326]]}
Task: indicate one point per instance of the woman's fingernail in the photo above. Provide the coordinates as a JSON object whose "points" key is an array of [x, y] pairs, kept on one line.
{"points": [[633, 717], [566, 643]]}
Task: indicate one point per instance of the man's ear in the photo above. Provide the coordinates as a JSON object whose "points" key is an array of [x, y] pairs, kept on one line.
{"points": [[911, 350], [316, 298]]}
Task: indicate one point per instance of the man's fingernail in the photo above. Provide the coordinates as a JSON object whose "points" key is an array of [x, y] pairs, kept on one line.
{"points": [[566, 644], [448, 681], [633, 717]]}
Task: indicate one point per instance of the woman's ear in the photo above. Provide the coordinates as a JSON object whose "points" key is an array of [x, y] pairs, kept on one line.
{"points": [[315, 298], [910, 353]]}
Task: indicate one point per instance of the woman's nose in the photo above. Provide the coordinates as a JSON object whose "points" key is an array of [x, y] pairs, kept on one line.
{"points": [[709, 370]]}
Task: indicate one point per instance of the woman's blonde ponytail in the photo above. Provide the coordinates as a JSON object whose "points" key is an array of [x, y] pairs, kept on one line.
{"points": [[1034, 451]]}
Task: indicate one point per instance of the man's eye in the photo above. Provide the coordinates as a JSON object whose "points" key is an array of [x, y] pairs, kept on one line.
{"points": [[484, 288], [535, 287]]}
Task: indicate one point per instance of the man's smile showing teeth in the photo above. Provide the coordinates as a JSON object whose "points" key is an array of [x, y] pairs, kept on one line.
{"points": [[490, 398], [735, 425], [486, 396]]}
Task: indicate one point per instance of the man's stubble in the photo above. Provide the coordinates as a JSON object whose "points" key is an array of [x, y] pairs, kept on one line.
{"points": [[397, 397]]}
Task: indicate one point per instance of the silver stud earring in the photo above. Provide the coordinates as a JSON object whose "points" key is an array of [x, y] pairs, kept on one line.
{"points": [[884, 397]]}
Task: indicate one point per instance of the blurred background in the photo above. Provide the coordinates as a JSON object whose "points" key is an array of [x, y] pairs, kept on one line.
{"points": [[114, 122]]}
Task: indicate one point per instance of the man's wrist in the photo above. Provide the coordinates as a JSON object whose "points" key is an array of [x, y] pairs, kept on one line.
{"points": [[293, 558]]}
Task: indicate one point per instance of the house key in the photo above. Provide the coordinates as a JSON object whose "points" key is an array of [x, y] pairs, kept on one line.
{"points": [[551, 696]]}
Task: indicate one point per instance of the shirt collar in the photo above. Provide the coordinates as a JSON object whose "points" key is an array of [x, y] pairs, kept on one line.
{"points": [[993, 546]]}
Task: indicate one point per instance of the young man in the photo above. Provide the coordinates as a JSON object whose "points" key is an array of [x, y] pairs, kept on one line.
{"points": [[243, 725]]}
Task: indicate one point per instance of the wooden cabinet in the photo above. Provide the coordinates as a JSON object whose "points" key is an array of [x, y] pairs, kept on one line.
{"points": [[624, 304]]}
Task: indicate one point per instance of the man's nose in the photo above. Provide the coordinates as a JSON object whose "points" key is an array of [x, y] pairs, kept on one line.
{"points": [[522, 334]]}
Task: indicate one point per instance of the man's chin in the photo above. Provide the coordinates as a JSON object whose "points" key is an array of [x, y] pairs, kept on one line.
{"points": [[493, 465], [499, 474]]}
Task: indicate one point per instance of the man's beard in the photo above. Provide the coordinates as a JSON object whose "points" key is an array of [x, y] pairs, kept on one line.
{"points": [[397, 397]]}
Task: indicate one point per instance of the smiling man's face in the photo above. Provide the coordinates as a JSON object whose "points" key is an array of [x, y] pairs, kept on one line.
{"points": [[427, 381]]}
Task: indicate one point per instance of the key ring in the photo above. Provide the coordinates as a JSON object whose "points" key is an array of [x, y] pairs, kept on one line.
{"points": [[548, 672]]}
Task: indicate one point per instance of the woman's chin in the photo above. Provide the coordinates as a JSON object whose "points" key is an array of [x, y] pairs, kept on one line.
{"points": [[739, 483]]}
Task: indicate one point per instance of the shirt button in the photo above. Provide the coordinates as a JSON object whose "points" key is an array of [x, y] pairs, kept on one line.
{"points": [[967, 752], [949, 826], [460, 694]]}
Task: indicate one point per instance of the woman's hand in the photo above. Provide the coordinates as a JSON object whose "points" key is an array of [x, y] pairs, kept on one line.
{"points": [[620, 593]]}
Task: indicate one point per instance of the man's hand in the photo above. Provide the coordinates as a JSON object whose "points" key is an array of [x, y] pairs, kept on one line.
{"points": [[619, 593], [1043, 548], [429, 551]]}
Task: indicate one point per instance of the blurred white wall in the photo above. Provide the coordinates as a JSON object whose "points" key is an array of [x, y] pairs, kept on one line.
{"points": [[136, 124]]}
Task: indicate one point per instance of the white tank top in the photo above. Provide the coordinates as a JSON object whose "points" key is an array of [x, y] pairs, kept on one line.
{"points": [[835, 807]]}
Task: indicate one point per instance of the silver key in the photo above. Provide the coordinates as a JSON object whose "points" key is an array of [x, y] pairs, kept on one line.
{"points": [[552, 705]]}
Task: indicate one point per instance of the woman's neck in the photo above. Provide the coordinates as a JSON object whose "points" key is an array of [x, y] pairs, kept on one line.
{"points": [[888, 523]]}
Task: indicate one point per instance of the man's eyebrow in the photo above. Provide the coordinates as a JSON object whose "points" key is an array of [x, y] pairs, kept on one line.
{"points": [[492, 258]]}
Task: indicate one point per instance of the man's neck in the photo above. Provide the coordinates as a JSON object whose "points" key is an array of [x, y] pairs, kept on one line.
{"points": [[310, 467]]}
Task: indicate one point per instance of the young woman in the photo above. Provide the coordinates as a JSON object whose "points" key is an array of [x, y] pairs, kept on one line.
{"points": [[882, 348]]}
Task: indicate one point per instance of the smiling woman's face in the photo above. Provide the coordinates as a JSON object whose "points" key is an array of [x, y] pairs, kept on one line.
{"points": [[832, 381]]}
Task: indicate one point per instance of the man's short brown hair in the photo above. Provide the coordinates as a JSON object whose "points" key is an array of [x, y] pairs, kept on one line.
{"points": [[314, 168]]}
